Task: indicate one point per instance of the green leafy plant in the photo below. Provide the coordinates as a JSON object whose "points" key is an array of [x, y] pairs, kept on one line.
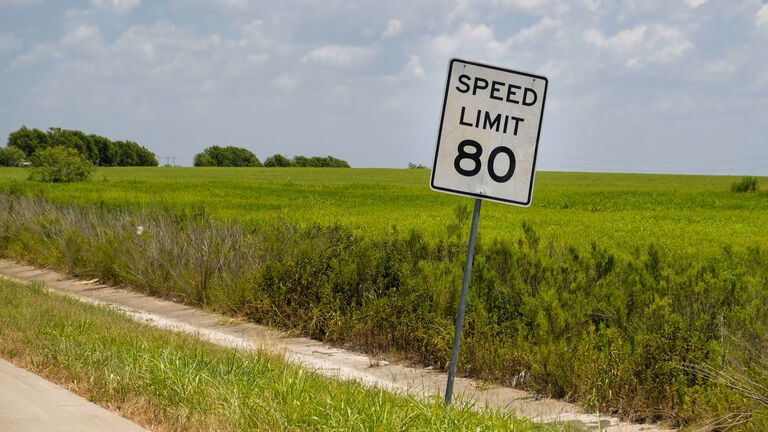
{"points": [[746, 184], [59, 165], [11, 156], [229, 156], [99, 150]]}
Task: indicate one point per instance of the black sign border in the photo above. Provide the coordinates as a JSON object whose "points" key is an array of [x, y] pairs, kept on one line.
{"points": [[440, 131]]}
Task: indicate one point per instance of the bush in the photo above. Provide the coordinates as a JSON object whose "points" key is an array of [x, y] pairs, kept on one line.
{"points": [[747, 184], [59, 165], [300, 161], [229, 156], [277, 160], [11, 156]]}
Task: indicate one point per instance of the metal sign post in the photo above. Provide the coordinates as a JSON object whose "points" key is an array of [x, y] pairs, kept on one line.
{"points": [[486, 149], [462, 302]]}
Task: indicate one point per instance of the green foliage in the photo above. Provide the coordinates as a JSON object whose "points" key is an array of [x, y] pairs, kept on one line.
{"points": [[277, 160], [412, 165], [226, 157], [128, 153], [99, 150], [318, 162], [746, 184], [59, 164], [28, 140], [11, 156], [607, 327]]}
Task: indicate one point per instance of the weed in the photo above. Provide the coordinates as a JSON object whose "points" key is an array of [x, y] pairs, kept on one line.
{"points": [[746, 184], [175, 382]]}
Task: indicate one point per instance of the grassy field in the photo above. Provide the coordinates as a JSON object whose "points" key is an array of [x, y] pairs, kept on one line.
{"points": [[611, 289], [174, 382], [693, 215]]}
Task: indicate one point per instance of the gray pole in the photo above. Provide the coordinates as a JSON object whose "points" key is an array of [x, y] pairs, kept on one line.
{"points": [[462, 303]]}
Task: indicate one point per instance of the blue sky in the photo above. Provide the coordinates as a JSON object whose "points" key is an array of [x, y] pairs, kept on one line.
{"points": [[634, 86]]}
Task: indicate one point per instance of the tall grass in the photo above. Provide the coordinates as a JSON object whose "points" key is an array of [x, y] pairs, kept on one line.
{"points": [[585, 324], [174, 382], [746, 184], [691, 216]]}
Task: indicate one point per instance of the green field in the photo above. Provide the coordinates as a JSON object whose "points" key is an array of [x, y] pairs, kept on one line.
{"points": [[692, 215], [607, 290]]}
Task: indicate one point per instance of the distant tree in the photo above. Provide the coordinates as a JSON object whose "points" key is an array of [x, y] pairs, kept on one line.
{"points": [[28, 140], [412, 165], [203, 160], [229, 156], [107, 151], [58, 137], [277, 160], [125, 154], [240, 157], [337, 163], [99, 150], [301, 161], [319, 162], [59, 164], [11, 156], [144, 156], [129, 153]]}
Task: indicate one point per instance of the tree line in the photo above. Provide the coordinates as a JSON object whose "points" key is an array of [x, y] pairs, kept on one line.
{"points": [[99, 150], [231, 156]]}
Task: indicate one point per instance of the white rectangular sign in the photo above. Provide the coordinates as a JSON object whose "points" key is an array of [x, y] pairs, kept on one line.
{"points": [[489, 133]]}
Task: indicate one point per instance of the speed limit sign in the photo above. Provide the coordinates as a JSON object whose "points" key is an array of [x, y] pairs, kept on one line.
{"points": [[489, 133]]}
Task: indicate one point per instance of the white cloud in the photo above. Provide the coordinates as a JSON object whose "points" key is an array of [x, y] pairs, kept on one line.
{"points": [[761, 18], [641, 44], [694, 3], [479, 39], [394, 28], [83, 37], [525, 4], [530, 33], [414, 67], [8, 43], [340, 55], [118, 6], [592, 5], [667, 43], [622, 42]]}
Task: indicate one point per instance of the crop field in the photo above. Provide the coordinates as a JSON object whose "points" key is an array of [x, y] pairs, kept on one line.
{"points": [[639, 295], [688, 215]]}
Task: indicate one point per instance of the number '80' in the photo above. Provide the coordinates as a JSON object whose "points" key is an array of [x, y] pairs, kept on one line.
{"points": [[475, 158]]}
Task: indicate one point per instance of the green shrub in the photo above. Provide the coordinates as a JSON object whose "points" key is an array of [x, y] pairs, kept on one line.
{"points": [[59, 165], [609, 329], [10, 156], [277, 160], [747, 184], [229, 156]]}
